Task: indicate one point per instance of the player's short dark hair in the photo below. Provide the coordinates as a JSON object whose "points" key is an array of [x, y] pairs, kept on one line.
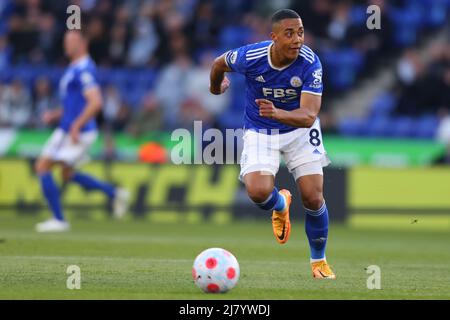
{"points": [[284, 14]]}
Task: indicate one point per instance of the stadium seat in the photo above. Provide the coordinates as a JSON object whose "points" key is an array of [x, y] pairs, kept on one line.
{"points": [[426, 127], [345, 64], [6, 75], [234, 37], [358, 15], [378, 127], [406, 23], [433, 12], [382, 105], [54, 74], [402, 127], [351, 127]]}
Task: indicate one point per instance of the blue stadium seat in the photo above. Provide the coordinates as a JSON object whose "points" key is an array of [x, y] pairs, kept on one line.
{"points": [[378, 127], [234, 37], [119, 77], [358, 15], [433, 12], [406, 23], [6, 75], [27, 74], [342, 66], [402, 127], [55, 74], [382, 105], [104, 76], [351, 127], [426, 127], [144, 78]]}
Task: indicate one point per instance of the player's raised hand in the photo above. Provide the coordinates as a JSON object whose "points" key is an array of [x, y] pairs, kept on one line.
{"points": [[50, 116], [266, 108], [47, 117], [75, 133]]}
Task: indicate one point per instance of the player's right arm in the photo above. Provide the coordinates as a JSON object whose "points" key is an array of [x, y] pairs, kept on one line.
{"points": [[219, 83]]}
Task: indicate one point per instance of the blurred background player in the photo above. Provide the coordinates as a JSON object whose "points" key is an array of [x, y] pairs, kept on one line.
{"points": [[284, 89], [81, 99]]}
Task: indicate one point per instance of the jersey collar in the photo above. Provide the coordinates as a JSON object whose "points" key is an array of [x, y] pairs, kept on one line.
{"points": [[81, 61], [270, 60]]}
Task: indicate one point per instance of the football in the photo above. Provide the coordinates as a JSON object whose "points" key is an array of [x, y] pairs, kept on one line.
{"points": [[215, 270]]}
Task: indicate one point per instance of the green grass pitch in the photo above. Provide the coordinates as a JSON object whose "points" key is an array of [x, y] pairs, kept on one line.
{"points": [[145, 260]]}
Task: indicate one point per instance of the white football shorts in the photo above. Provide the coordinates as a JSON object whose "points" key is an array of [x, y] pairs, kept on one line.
{"points": [[302, 151], [60, 147]]}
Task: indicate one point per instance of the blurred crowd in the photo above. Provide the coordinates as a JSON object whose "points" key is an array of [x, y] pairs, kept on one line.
{"points": [[154, 56], [423, 82]]}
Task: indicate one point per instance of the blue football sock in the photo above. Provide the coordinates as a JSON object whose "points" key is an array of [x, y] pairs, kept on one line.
{"points": [[90, 183], [316, 227], [275, 201], [51, 193]]}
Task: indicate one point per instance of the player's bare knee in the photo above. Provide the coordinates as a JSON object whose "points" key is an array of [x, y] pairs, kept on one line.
{"points": [[259, 193], [313, 202], [42, 166]]}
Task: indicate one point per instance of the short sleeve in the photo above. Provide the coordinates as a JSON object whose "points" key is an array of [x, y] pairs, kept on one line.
{"points": [[312, 82], [87, 80], [235, 59]]}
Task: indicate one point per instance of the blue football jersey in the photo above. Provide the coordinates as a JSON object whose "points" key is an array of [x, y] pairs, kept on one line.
{"points": [[77, 78], [282, 86]]}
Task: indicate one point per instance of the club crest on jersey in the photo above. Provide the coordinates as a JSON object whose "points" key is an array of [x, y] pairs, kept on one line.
{"points": [[317, 74], [296, 82]]}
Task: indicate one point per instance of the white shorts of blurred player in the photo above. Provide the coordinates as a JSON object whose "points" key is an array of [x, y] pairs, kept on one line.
{"points": [[60, 147], [302, 151]]}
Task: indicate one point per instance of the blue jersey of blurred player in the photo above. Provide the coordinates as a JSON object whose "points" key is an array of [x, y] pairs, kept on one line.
{"points": [[69, 144], [283, 100]]}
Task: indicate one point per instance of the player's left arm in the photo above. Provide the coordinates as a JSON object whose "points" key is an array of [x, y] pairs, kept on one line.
{"points": [[310, 101], [304, 117], [94, 102]]}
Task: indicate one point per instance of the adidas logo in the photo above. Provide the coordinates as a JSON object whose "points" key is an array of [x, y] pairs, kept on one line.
{"points": [[260, 79], [316, 151]]}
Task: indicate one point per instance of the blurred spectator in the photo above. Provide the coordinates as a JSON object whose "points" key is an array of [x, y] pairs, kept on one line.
{"points": [[49, 36], [424, 85], [200, 104], [202, 29], [44, 100], [147, 118], [171, 89], [98, 40], [5, 53], [114, 118], [118, 46], [114, 111], [145, 39], [15, 105], [340, 21], [22, 38], [409, 67]]}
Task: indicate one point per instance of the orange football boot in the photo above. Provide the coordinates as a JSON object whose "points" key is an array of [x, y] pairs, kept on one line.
{"points": [[321, 270], [281, 224]]}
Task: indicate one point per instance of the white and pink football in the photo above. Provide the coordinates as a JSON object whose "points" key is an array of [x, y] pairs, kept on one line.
{"points": [[215, 270]]}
